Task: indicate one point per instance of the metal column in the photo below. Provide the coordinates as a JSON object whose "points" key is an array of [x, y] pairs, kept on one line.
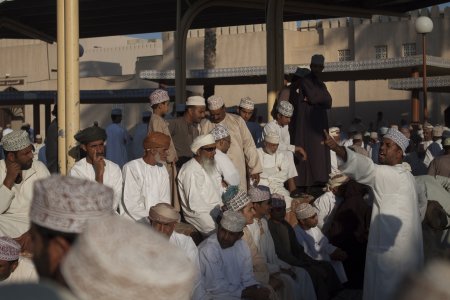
{"points": [[61, 100]]}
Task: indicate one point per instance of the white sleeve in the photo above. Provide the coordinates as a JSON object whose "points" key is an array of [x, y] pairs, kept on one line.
{"points": [[359, 167], [133, 203], [228, 170]]}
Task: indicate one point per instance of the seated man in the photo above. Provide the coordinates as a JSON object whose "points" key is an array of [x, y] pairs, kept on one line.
{"points": [[297, 283], [13, 267], [95, 166], [163, 217], [226, 263], [326, 283], [315, 244], [275, 166], [198, 187], [146, 180], [229, 175], [18, 172]]}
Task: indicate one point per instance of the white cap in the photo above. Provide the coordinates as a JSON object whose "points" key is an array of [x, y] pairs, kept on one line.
{"points": [[195, 101], [215, 102], [272, 137], [247, 103]]}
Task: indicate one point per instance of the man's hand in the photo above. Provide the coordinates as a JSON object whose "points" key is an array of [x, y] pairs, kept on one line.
{"points": [[13, 171], [255, 178], [99, 164], [302, 152], [26, 244], [334, 146]]}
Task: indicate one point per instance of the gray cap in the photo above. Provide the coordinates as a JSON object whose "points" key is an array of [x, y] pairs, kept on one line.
{"points": [[233, 221]]}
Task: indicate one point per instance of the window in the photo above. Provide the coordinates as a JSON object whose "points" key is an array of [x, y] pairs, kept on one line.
{"points": [[345, 55], [381, 52], [409, 49]]}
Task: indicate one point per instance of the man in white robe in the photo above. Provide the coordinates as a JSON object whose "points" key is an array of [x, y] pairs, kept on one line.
{"points": [[146, 180], [13, 267], [226, 264], [280, 126], [198, 188], [435, 148], [242, 150], [94, 166], [18, 172], [164, 218], [275, 167], [334, 132], [118, 139], [315, 243], [229, 175], [297, 283], [395, 238]]}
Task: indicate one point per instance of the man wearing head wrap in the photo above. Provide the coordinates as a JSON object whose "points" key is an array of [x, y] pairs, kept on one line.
{"points": [[198, 186], [185, 128], [311, 100], [328, 201], [146, 180], [14, 268], [441, 164], [276, 166], [163, 218], [323, 276], [427, 138], [242, 151], [94, 166], [18, 172], [229, 174], [139, 135], [395, 231], [61, 207], [297, 283], [226, 262], [115, 259], [280, 126], [246, 110], [118, 139], [435, 149], [315, 244], [159, 100]]}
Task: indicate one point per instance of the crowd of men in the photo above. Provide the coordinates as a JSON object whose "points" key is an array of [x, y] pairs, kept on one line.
{"points": [[212, 205]]}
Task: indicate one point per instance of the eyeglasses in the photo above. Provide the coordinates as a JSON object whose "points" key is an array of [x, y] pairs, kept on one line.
{"points": [[210, 149]]}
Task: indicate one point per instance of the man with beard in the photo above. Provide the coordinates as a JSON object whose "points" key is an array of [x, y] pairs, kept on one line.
{"points": [[146, 180], [95, 166], [14, 268], [226, 263], [18, 172], [395, 245], [242, 151], [61, 207], [198, 187]]}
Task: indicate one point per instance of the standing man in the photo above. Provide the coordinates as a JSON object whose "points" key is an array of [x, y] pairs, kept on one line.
{"points": [[246, 109], [94, 166], [118, 138], [311, 101], [37, 146], [51, 143], [146, 180], [185, 129], [441, 164], [435, 148], [18, 172], [139, 135], [395, 238], [242, 151]]}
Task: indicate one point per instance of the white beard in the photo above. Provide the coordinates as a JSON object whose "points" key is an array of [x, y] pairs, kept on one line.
{"points": [[209, 165]]}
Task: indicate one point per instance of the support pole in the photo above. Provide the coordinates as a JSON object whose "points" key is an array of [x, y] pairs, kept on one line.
{"points": [[72, 76], [415, 103], [424, 78], [61, 98]]}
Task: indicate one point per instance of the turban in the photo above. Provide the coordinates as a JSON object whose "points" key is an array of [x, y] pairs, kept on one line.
{"points": [[195, 101], [427, 126], [233, 221], [234, 198], [133, 260], [373, 135], [219, 132], [9, 249], [285, 108], [156, 140], [65, 204], [215, 102], [90, 134], [277, 201], [334, 131], [305, 211], [116, 112], [164, 213], [158, 96], [247, 103], [272, 137], [398, 138], [16, 140], [202, 140], [383, 130], [317, 59], [335, 181], [259, 193]]}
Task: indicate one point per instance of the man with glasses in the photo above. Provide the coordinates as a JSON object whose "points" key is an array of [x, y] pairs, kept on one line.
{"points": [[146, 180], [199, 188]]}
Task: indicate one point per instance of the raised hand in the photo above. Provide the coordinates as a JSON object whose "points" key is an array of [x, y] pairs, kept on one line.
{"points": [[13, 171]]}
